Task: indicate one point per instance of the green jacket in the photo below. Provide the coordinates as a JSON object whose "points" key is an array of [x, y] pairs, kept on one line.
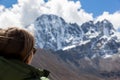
{"points": [[16, 70]]}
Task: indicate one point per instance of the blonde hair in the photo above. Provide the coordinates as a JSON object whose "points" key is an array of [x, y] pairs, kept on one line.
{"points": [[16, 43]]}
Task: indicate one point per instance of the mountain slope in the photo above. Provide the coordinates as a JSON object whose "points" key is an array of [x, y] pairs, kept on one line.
{"points": [[58, 68]]}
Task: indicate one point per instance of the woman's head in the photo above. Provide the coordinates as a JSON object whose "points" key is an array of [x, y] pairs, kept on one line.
{"points": [[16, 43]]}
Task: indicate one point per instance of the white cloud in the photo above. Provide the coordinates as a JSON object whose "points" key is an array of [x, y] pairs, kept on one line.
{"points": [[1, 8], [21, 14], [26, 11], [71, 11], [8, 18], [29, 10], [113, 18]]}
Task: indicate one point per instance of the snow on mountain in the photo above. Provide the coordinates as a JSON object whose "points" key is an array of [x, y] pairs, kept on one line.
{"points": [[52, 32]]}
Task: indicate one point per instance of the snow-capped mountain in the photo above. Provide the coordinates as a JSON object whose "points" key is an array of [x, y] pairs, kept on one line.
{"points": [[52, 32], [92, 49]]}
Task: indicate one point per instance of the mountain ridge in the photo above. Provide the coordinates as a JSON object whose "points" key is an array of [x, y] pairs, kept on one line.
{"points": [[52, 32]]}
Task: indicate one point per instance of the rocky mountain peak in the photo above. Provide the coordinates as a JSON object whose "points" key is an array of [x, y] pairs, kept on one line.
{"points": [[52, 32]]}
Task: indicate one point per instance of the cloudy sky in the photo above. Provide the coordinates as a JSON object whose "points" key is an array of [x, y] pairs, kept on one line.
{"points": [[24, 12]]}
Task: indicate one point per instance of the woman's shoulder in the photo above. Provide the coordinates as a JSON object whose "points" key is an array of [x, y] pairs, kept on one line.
{"points": [[20, 69]]}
